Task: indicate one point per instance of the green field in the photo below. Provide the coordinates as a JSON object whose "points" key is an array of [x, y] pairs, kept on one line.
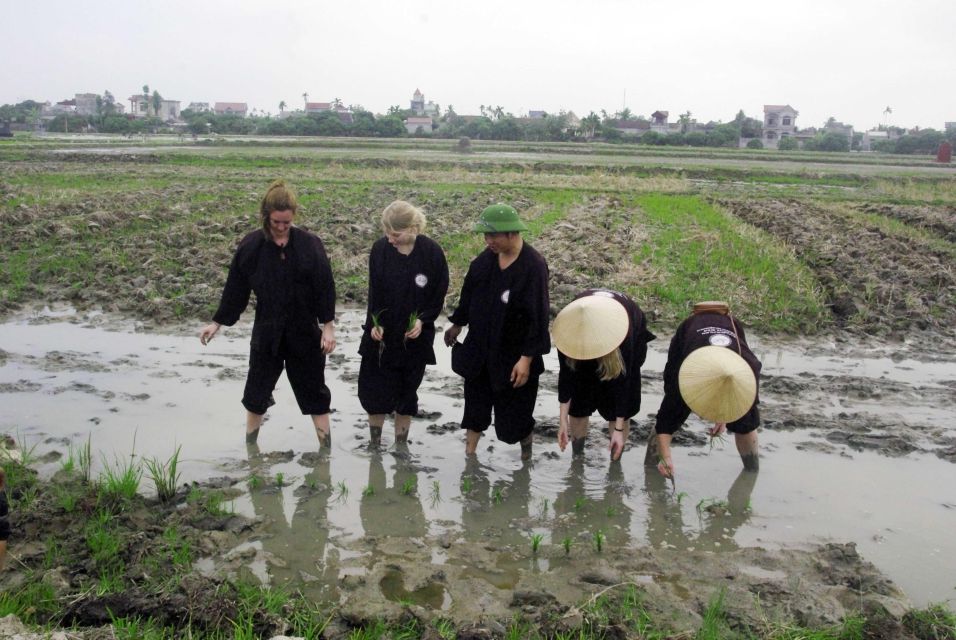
{"points": [[797, 242]]}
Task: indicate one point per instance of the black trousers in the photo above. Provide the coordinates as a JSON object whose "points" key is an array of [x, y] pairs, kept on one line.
{"points": [[384, 389], [513, 408], [305, 366]]}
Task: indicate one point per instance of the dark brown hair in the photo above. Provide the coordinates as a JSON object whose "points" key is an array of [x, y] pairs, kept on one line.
{"points": [[279, 197]]}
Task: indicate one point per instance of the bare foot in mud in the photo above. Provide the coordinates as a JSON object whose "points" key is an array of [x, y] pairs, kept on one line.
{"points": [[526, 448], [471, 441]]}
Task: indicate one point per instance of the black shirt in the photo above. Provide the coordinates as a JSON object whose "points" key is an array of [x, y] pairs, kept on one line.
{"points": [[506, 312], [293, 286], [399, 285], [626, 386], [698, 331]]}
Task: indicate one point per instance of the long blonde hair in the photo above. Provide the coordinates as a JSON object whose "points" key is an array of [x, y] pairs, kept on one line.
{"points": [[402, 216], [279, 197], [609, 366]]}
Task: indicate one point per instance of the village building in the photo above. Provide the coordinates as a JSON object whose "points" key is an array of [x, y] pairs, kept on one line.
{"points": [[141, 106], [86, 103], [779, 121], [231, 109], [418, 125], [631, 128], [199, 107], [537, 115], [317, 107], [421, 108]]}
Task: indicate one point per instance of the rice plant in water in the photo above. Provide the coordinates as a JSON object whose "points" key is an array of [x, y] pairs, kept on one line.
{"points": [[165, 475], [121, 481], [342, 491], [496, 495], [408, 486], [536, 539], [566, 543], [368, 491], [599, 539], [466, 484]]}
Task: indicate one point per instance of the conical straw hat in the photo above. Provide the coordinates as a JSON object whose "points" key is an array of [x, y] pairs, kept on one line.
{"points": [[717, 384], [590, 327]]}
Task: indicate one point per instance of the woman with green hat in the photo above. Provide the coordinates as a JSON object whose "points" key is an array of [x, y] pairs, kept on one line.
{"points": [[504, 303], [602, 339]]}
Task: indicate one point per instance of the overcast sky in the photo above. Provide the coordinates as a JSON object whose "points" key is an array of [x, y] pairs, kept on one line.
{"points": [[844, 58]]}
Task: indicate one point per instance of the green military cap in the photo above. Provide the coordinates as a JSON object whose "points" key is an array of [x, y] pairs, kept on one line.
{"points": [[499, 218]]}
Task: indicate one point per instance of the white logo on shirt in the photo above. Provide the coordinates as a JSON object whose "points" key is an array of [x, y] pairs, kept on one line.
{"points": [[421, 280], [720, 340], [505, 295]]}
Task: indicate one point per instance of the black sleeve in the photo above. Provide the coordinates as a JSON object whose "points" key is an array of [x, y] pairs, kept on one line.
{"points": [[235, 295], [374, 287], [565, 379], [673, 411], [437, 273], [460, 316], [537, 340], [325, 284]]}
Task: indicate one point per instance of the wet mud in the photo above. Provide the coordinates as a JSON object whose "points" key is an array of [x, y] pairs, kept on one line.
{"points": [[418, 530]]}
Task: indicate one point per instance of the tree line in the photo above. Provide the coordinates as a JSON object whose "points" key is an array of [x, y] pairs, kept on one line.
{"points": [[492, 124]]}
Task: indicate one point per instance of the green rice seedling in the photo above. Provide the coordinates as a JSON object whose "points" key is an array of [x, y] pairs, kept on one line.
{"points": [[435, 496], [313, 483], [717, 440], [280, 479], [566, 543], [368, 491], [66, 499], [579, 503], [545, 505], [661, 461], [84, 458], [377, 324], [120, 482], [496, 495], [412, 319], [254, 482], [69, 463], [341, 491], [599, 539], [611, 512], [536, 539], [165, 475], [408, 486], [466, 484], [51, 557], [445, 629], [714, 623], [217, 505], [681, 496], [27, 454]]}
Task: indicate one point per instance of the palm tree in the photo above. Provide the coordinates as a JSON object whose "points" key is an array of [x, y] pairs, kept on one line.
{"points": [[305, 96], [146, 97], [281, 106]]}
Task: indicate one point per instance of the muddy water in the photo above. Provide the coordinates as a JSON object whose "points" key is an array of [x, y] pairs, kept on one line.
{"points": [[352, 519]]}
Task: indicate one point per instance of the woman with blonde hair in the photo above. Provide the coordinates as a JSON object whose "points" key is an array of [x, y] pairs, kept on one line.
{"points": [[294, 329], [602, 339], [407, 283]]}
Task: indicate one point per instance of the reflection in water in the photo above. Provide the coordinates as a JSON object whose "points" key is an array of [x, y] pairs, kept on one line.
{"points": [[718, 520], [395, 510], [304, 541], [498, 511], [579, 516]]}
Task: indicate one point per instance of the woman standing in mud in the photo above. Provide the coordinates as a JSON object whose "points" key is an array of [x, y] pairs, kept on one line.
{"points": [[710, 370], [504, 303], [602, 339], [289, 272], [407, 283]]}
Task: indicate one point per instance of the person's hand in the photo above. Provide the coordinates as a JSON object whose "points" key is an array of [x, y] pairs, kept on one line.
{"points": [[328, 338], [208, 332], [717, 430], [666, 467], [521, 372], [451, 334], [377, 333], [617, 443], [415, 331], [563, 438]]}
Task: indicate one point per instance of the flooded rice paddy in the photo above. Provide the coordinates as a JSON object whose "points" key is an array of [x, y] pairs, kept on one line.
{"points": [[858, 446]]}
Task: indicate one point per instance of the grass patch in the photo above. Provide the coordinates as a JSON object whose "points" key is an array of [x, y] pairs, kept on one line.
{"points": [[704, 254]]}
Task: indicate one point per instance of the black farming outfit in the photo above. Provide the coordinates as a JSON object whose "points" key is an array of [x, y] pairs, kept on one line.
{"points": [[295, 293], [506, 312], [617, 398], [398, 286], [698, 331]]}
